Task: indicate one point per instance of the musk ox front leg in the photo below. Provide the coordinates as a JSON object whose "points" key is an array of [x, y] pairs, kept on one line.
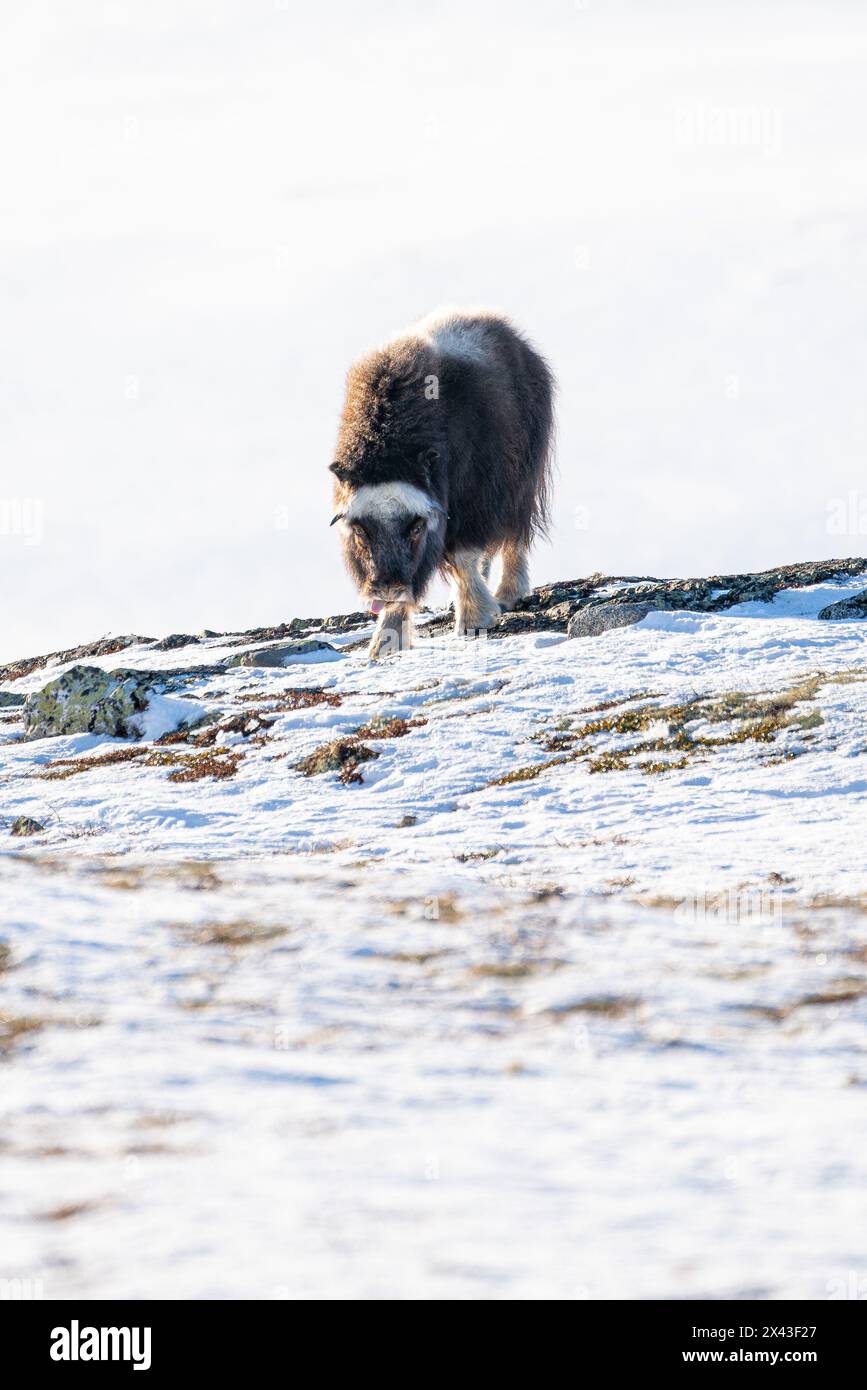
{"points": [[475, 605], [393, 632], [514, 577]]}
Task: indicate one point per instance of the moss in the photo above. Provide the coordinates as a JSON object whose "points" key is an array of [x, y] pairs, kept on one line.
{"points": [[604, 1005], [526, 774], [412, 957], [651, 769], [380, 727], [60, 768], [512, 969], [239, 933], [758, 717], [293, 699], [208, 764]]}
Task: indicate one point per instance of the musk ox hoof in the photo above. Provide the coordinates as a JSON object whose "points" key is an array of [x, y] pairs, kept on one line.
{"points": [[393, 633], [476, 616]]}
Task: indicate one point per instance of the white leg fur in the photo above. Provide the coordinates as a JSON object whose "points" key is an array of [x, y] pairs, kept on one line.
{"points": [[393, 632], [475, 605], [514, 577]]}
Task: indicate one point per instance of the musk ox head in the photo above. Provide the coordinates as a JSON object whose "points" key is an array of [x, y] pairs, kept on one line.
{"points": [[392, 536]]}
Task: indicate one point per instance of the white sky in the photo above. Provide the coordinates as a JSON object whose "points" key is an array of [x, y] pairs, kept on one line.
{"points": [[207, 209]]}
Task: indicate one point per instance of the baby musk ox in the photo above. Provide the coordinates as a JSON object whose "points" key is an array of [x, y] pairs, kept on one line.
{"points": [[442, 462]]}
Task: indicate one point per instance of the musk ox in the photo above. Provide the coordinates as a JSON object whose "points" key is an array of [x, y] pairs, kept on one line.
{"points": [[442, 462]]}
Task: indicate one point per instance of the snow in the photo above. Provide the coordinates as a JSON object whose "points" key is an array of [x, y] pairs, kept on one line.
{"points": [[586, 1035], [164, 713]]}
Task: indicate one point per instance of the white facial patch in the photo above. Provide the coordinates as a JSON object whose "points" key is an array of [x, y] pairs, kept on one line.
{"points": [[385, 501]]}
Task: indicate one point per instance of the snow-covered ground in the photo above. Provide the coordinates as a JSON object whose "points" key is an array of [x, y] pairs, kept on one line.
{"points": [[598, 1029]]}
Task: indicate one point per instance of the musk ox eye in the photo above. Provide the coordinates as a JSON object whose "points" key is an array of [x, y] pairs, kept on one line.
{"points": [[416, 527]]}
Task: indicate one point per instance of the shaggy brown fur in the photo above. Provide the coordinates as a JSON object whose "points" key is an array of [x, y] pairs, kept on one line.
{"points": [[457, 416]]}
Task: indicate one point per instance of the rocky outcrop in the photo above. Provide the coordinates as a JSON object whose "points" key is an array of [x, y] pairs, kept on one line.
{"points": [[105, 646], [846, 609]]}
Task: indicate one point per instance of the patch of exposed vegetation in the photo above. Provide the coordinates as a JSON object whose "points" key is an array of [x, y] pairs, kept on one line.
{"points": [[514, 969], [60, 768], [682, 732], [472, 856], [406, 821], [252, 725], [238, 933], [603, 1005], [527, 774], [382, 727], [68, 1211], [189, 767], [14, 1027], [194, 874], [412, 957], [342, 755], [219, 764], [295, 699]]}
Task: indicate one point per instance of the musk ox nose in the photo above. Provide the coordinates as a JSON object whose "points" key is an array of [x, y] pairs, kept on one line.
{"points": [[391, 593]]}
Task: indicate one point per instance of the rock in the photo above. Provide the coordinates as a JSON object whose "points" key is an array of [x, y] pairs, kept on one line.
{"points": [[176, 639], [602, 617], [278, 656], [8, 698], [26, 825], [854, 607], [514, 623], [87, 700], [105, 646]]}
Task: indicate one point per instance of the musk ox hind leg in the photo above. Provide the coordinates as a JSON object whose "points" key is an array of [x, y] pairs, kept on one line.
{"points": [[475, 605], [393, 632], [514, 580]]}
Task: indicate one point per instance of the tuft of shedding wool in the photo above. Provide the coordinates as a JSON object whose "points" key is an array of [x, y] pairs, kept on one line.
{"points": [[459, 407]]}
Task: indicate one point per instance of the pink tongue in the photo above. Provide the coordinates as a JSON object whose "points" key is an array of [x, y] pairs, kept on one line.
{"points": [[376, 605]]}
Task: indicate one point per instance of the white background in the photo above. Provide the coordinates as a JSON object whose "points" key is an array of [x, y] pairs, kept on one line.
{"points": [[207, 209]]}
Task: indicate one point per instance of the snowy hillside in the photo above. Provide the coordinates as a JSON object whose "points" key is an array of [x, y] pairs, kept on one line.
{"points": [[534, 965]]}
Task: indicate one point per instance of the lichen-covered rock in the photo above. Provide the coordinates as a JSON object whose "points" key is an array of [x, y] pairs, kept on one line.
{"points": [[290, 651], [602, 617], [846, 609], [87, 700], [9, 698], [26, 825]]}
